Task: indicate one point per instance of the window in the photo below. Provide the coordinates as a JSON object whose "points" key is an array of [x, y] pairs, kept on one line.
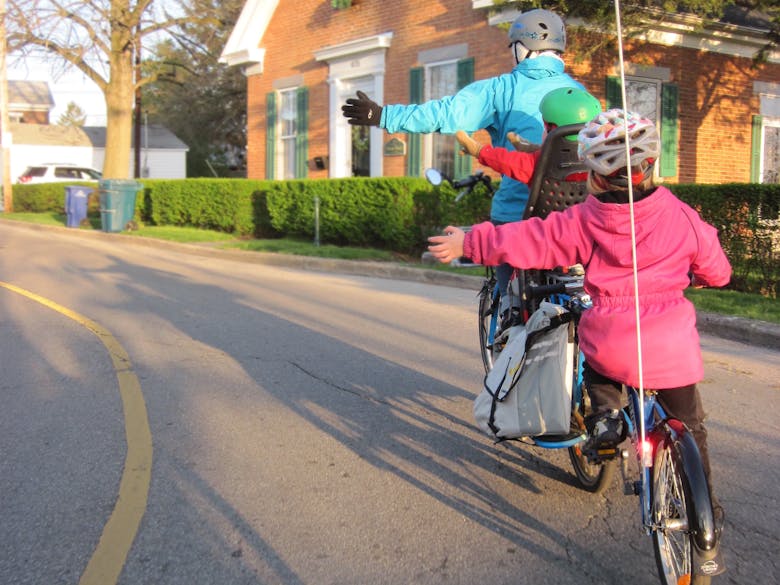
{"points": [[287, 113], [288, 132], [446, 71], [441, 80], [643, 97], [657, 101], [361, 151], [770, 150]]}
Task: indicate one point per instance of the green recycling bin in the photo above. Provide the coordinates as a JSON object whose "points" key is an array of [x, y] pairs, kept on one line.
{"points": [[117, 203]]}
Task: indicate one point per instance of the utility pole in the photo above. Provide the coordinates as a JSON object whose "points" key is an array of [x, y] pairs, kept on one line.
{"points": [[137, 109], [5, 130]]}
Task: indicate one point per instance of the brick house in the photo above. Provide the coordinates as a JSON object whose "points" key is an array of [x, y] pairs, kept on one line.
{"points": [[717, 111], [29, 102]]}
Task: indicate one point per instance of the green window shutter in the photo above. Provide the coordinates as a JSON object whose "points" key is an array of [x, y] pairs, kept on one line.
{"points": [[270, 134], [614, 97], [302, 135], [463, 162], [669, 124], [755, 150], [414, 154]]}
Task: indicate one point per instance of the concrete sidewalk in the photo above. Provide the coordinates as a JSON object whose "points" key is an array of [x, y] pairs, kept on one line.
{"points": [[748, 331]]}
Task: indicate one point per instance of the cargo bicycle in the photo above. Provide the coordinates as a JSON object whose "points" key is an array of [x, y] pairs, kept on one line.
{"points": [[668, 475]]}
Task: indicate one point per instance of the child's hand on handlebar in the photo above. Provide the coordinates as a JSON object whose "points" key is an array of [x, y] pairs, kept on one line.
{"points": [[448, 247], [470, 146]]}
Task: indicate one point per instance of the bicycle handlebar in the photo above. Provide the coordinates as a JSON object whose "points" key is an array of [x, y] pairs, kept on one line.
{"points": [[559, 288], [466, 184]]}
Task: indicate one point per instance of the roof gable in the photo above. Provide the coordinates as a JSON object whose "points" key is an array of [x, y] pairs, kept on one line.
{"points": [[152, 136], [48, 135], [243, 45], [29, 95]]}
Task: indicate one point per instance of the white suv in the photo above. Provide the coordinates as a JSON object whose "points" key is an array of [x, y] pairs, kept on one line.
{"points": [[58, 172]]}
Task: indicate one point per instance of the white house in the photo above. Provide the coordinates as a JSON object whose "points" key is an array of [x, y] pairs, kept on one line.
{"points": [[34, 141], [163, 155]]}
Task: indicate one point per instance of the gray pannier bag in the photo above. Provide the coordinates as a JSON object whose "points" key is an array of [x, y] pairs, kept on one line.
{"points": [[528, 391]]}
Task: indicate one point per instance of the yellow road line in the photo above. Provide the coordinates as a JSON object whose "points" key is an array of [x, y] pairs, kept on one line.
{"points": [[119, 532]]}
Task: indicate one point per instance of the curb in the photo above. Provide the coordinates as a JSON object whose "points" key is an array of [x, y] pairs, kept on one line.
{"points": [[749, 331]]}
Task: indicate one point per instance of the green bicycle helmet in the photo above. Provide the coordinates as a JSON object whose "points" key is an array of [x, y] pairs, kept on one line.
{"points": [[569, 105]]}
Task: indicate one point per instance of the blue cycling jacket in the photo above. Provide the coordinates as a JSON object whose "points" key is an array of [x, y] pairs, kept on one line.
{"points": [[507, 103]]}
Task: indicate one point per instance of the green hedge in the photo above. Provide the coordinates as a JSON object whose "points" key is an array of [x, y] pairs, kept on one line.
{"points": [[746, 216], [218, 204], [398, 214], [42, 197]]}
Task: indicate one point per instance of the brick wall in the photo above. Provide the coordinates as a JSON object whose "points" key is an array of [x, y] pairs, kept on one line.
{"points": [[716, 100]]}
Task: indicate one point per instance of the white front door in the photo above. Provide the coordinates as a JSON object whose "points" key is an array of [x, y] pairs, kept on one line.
{"points": [[357, 65], [356, 142]]}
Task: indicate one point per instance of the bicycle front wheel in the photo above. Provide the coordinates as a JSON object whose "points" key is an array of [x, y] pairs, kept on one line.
{"points": [[672, 510]]}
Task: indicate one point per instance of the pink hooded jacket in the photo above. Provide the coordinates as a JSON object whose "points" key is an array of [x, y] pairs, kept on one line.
{"points": [[672, 240]]}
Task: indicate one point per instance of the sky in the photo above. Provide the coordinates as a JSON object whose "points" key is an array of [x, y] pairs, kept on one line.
{"points": [[69, 86]]}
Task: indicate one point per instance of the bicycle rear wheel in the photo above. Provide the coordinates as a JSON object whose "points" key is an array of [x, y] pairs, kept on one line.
{"points": [[672, 509], [592, 477], [488, 322]]}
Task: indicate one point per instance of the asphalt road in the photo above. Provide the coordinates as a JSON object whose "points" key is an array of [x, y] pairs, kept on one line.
{"points": [[306, 428]]}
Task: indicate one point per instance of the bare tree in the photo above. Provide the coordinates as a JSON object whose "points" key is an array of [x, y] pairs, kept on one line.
{"points": [[101, 38]]}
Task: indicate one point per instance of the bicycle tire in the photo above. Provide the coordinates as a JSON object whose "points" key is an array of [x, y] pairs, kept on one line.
{"points": [[592, 477], [671, 510], [488, 322]]}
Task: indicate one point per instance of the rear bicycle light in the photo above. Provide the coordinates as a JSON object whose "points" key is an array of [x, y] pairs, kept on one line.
{"points": [[645, 452]]}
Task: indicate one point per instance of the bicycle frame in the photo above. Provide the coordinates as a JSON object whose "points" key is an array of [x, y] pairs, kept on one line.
{"points": [[657, 424], [644, 451]]}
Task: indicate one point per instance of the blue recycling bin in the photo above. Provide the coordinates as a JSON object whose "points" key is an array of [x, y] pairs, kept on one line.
{"points": [[76, 200], [117, 203]]}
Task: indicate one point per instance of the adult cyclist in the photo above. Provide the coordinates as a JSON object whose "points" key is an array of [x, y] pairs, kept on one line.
{"points": [[503, 104]]}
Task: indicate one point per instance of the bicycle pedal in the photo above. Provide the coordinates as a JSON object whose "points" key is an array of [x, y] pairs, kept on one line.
{"points": [[599, 455]]}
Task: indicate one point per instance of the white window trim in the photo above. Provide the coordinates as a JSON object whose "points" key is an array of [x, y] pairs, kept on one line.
{"points": [[766, 122]]}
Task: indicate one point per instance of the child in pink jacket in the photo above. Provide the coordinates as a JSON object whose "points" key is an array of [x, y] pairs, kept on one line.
{"points": [[672, 242]]}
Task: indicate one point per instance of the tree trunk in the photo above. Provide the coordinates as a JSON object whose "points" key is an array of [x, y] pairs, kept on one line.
{"points": [[119, 93]]}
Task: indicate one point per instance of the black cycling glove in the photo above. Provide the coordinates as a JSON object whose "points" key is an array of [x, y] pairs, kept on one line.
{"points": [[362, 111]]}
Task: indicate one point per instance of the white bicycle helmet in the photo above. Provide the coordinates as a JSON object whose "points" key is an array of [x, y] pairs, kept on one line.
{"points": [[538, 30], [602, 142]]}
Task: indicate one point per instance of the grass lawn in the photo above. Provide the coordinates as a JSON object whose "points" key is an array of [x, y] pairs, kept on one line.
{"points": [[725, 302]]}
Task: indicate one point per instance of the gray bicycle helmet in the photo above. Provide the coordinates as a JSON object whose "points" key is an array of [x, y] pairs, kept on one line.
{"points": [[539, 30]]}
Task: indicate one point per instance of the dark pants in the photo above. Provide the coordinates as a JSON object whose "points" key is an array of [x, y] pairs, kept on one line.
{"points": [[682, 403], [503, 271]]}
